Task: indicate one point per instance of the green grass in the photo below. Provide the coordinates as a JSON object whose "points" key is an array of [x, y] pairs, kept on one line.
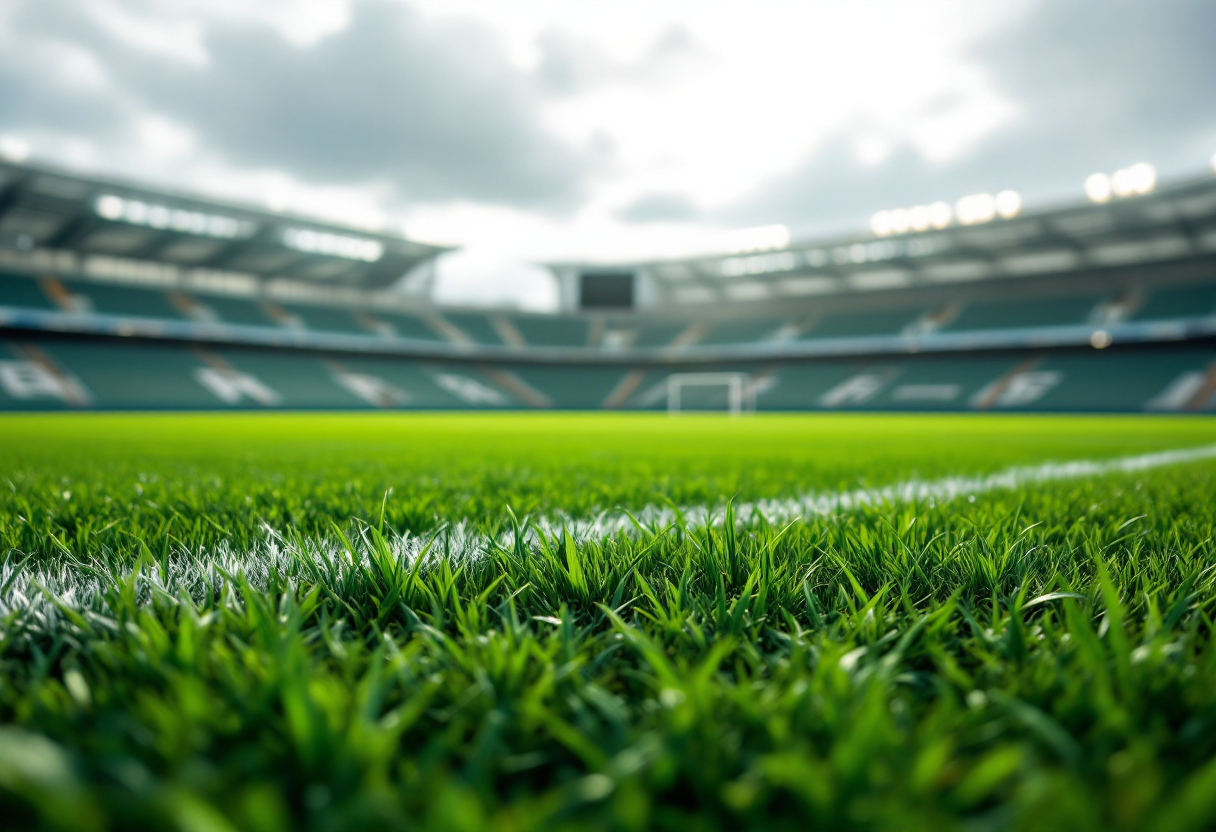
{"points": [[212, 623]]}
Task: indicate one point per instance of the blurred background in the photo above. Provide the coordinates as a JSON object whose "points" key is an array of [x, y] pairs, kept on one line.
{"points": [[701, 164]]}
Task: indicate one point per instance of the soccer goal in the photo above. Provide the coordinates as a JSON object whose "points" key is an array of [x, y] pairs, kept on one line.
{"points": [[740, 393]]}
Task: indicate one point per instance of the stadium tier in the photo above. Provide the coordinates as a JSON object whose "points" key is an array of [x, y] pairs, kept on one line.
{"points": [[1091, 308], [54, 373]]}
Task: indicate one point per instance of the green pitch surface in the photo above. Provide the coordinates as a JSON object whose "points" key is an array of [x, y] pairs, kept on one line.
{"points": [[282, 622]]}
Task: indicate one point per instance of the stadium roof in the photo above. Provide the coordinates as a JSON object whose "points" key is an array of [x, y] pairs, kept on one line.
{"points": [[46, 208], [1173, 223]]}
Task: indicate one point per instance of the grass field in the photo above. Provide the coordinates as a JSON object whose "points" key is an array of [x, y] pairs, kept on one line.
{"points": [[513, 622]]}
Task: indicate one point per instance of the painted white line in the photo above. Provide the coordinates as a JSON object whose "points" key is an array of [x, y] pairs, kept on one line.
{"points": [[946, 489], [194, 572]]}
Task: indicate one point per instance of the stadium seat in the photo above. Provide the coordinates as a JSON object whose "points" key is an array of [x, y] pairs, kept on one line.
{"points": [[130, 301], [1117, 381], [552, 331], [940, 382], [656, 334], [323, 319], [1010, 314], [476, 327], [418, 387], [22, 293], [1178, 302], [856, 324], [237, 310], [409, 326], [573, 388], [300, 380], [133, 376], [743, 332], [801, 386]]}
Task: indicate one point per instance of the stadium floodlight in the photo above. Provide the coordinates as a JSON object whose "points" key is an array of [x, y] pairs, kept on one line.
{"points": [[763, 238], [971, 209], [162, 217], [1008, 204], [975, 208], [940, 214], [14, 149], [334, 245], [1134, 180], [1121, 183], [1143, 177], [1098, 187], [780, 261]]}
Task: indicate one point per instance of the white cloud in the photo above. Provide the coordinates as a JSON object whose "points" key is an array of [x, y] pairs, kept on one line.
{"points": [[306, 22], [171, 37], [627, 128], [163, 139]]}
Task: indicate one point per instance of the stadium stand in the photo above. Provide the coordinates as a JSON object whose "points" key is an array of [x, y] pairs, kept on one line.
{"points": [[855, 324], [552, 331], [236, 311], [1178, 302], [327, 320], [130, 376], [1010, 314], [576, 388], [727, 332], [476, 328], [21, 291], [134, 375], [653, 335], [126, 300], [408, 326], [1081, 308]]}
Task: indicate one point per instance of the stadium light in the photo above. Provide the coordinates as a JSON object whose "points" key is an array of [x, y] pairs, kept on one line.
{"points": [[975, 208], [970, 210], [334, 245], [1121, 183], [763, 238], [14, 149], [779, 261], [1143, 177], [1098, 187], [1008, 204], [162, 217], [1135, 180], [940, 214]]}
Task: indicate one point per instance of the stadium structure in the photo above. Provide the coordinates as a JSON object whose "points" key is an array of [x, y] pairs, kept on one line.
{"points": [[117, 296]]}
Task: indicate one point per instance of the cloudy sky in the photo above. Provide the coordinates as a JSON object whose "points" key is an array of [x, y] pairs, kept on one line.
{"points": [[607, 129]]}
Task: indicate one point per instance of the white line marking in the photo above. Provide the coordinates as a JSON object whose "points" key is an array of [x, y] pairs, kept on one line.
{"points": [[195, 571], [946, 489]]}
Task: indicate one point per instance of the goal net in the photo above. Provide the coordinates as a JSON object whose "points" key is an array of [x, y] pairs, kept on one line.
{"points": [[710, 391]]}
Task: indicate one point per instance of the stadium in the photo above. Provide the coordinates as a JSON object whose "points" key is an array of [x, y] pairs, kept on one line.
{"points": [[121, 297], [534, 417]]}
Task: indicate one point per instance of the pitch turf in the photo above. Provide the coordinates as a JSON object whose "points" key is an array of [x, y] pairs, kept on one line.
{"points": [[331, 622]]}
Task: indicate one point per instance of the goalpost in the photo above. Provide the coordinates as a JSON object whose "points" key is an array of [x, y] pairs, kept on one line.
{"points": [[741, 393]]}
